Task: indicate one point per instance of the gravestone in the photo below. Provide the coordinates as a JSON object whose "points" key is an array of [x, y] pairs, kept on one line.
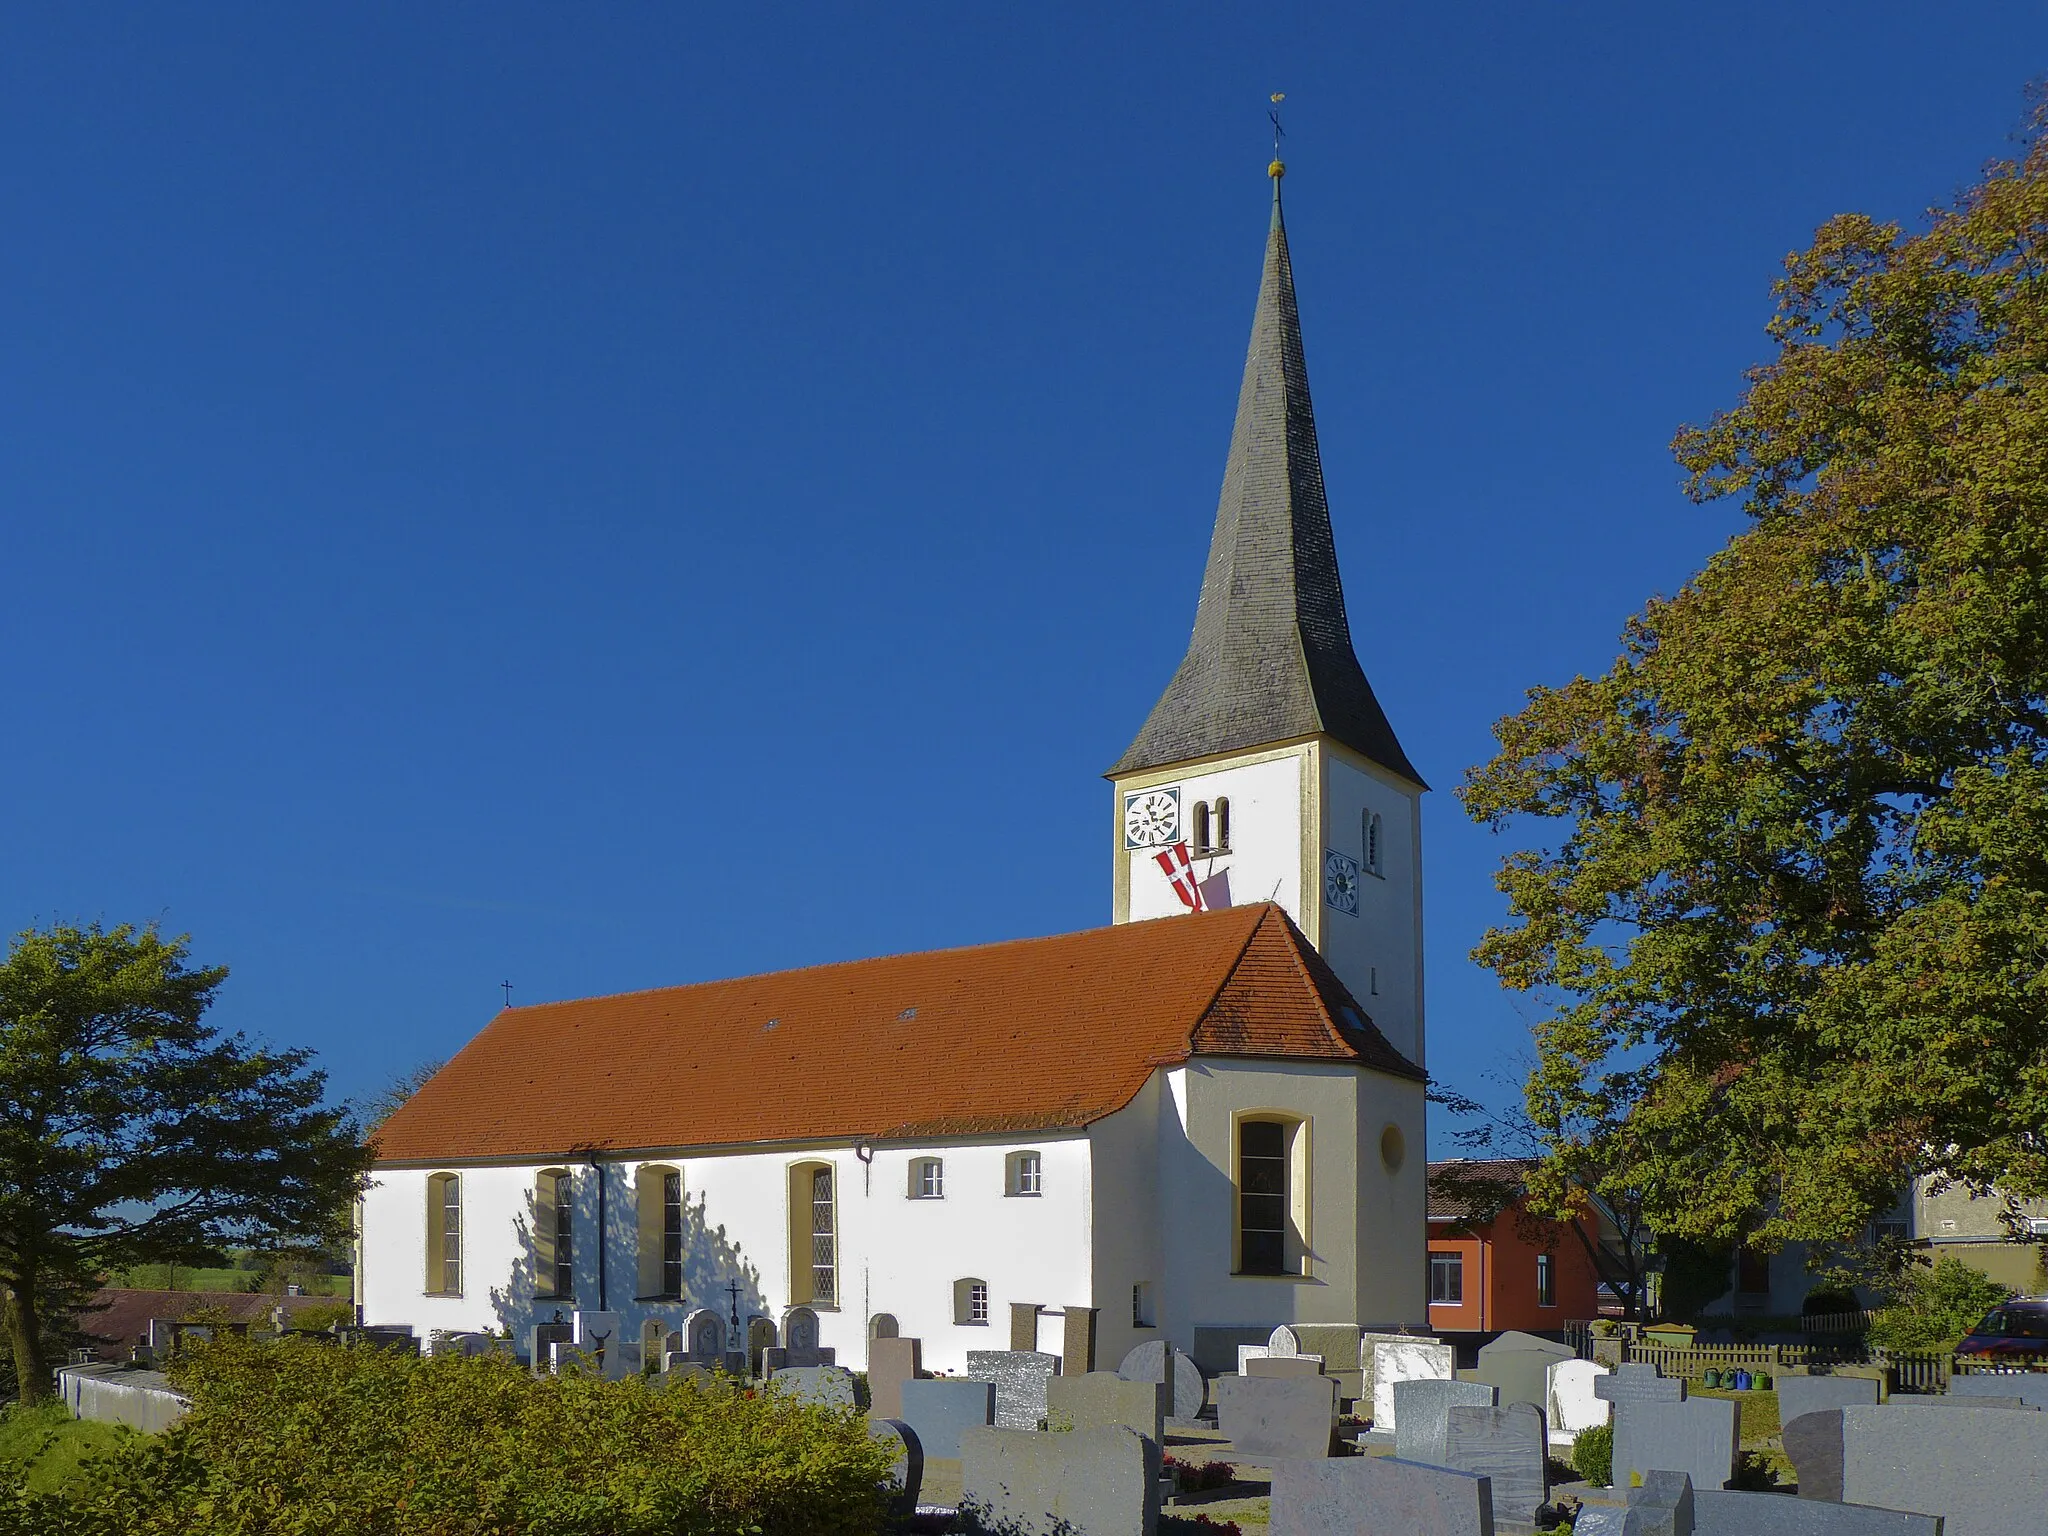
{"points": [[1813, 1444], [1156, 1360], [826, 1384], [939, 1409], [906, 1475], [1285, 1365], [1249, 1352], [705, 1330], [1340, 1346], [1101, 1398], [1570, 1402], [891, 1362], [1508, 1445], [1696, 1437], [800, 1329], [1377, 1496], [1722, 1512], [599, 1334], [774, 1359], [1944, 1400], [1662, 1506], [1801, 1395], [1019, 1376], [2030, 1387], [1638, 1383], [1087, 1482], [798, 1359], [677, 1369], [1282, 1341], [1266, 1417], [1983, 1470], [1399, 1358], [1423, 1416], [541, 1339], [1519, 1364]]}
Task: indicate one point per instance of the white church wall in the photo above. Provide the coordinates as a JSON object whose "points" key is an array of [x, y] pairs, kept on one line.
{"points": [[1366, 1249], [896, 1254], [1128, 1219], [1392, 1212], [1264, 861], [1377, 951]]}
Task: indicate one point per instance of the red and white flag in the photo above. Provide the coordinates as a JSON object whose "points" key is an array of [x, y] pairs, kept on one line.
{"points": [[1180, 871]]}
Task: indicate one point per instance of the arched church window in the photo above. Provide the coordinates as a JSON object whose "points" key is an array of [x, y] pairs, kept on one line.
{"points": [[1221, 812], [813, 1240], [658, 1201], [444, 1234], [1201, 826], [554, 1220]]}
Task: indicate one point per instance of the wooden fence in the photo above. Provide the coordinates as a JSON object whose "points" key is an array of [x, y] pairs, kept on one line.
{"points": [[1910, 1371]]}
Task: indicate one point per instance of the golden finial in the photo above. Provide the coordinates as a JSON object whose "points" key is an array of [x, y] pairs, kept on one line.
{"points": [[1278, 168]]}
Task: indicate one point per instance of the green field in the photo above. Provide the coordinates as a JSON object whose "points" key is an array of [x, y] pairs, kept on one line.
{"points": [[44, 1445]]}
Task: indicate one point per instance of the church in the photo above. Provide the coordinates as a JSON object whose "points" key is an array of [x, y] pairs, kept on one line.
{"points": [[1192, 1125]]}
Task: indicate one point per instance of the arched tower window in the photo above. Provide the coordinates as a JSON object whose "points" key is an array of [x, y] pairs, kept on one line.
{"points": [[658, 1202], [1201, 826], [444, 1234], [554, 1221], [1221, 812]]}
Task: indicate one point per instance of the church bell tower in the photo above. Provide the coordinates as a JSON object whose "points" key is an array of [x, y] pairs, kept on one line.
{"points": [[1268, 756]]}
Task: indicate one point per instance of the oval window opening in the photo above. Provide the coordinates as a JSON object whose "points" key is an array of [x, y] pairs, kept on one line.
{"points": [[1392, 1148]]}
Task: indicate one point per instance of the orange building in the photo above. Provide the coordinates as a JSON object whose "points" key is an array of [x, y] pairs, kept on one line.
{"points": [[1491, 1267]]}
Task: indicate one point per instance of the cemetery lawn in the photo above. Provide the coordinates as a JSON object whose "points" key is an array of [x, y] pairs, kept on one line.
{"points": [[180, 1277], [43, 1446]]}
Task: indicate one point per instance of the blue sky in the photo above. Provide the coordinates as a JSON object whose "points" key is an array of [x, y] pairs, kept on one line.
{"points": [[608, 496]]}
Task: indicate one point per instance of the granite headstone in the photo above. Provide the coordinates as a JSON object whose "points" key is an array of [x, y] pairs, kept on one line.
{"points": [[1156, 1360], [1724, 1512], [1267, 1417], [1377, 1496], [1103, 1397], [1086, 1482], [1570, 1401], [891, 1362], [1019, 1376], [1392, 1358], [1519, 1364], [1509, 1445], [2030, 1387], [906, 1477], [826, 1384], [939, 1409], [1813, 1444], [1696, 1437], [1801, 1395], [1285, 1365], [1422, 1412], [1983, 1470], [1638, 1382]]}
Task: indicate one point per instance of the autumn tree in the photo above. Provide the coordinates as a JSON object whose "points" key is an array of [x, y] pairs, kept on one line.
{"points": [[1789, 918], [131, 1132]]}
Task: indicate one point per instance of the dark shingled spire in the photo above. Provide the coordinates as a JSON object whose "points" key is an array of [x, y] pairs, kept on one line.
{"points": [[1271, 657]]}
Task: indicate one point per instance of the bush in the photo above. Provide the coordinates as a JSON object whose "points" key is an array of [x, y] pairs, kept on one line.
{"points": [[1593, 1455], [1933, 1306], [300, 1438]]}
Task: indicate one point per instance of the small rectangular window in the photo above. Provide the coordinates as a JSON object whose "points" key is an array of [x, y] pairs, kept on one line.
{"points": [[1447, 1279], [977, 1303], [1546, 1281], [1026, 1174], [927, 1179]]}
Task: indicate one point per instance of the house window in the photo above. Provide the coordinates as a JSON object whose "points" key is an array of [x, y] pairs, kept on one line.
{"points": [[1372, 841], [970, 1303], [927, 1179], [1546, 1281], [444, 1234], [1026, 1174], [1201, 826], [1752, 1272], [1272, 1188], [1447, 1279], [658, 1196], [554, 1217], [813, 1245]]}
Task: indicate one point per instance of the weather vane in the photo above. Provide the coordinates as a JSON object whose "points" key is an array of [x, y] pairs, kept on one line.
{"points": [[1278, 168]]}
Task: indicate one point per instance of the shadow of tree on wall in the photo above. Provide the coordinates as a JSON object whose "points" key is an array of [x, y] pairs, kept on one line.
{"points": [[712, 1262]]}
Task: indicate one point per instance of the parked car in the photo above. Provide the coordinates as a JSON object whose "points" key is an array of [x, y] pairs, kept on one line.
{"points": [[2016, 1328]]}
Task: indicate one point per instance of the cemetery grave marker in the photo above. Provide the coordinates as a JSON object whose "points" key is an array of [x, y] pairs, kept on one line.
{"points": [[939, 1409], [1086, 1482], [1266, 1417], [1378, 1496], [1508, 1445], [1019, 1376], [1423, 1416]]}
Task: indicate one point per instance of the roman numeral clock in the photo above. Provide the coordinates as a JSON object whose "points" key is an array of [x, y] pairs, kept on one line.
{"points": [[1151, 818]]}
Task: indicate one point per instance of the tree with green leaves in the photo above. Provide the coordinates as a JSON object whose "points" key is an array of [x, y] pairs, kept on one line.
{"points": [[131, 1132], [1789, 919]]}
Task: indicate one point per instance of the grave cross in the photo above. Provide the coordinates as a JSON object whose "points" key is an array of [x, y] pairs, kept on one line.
{"points": [[734, 1288]]}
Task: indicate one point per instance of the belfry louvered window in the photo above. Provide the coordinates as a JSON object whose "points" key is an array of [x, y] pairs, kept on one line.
{"points": [[824, 1252]]}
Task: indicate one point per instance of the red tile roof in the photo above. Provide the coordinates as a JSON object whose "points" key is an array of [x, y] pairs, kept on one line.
{"points": [[1031, 1035]]}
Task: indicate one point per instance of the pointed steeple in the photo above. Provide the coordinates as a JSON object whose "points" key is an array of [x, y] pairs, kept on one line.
{"points": [[1271, 656]]}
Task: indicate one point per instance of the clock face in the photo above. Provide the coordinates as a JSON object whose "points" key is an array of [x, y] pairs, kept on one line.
{"points": [[1151, 818], [1340, 882]]}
